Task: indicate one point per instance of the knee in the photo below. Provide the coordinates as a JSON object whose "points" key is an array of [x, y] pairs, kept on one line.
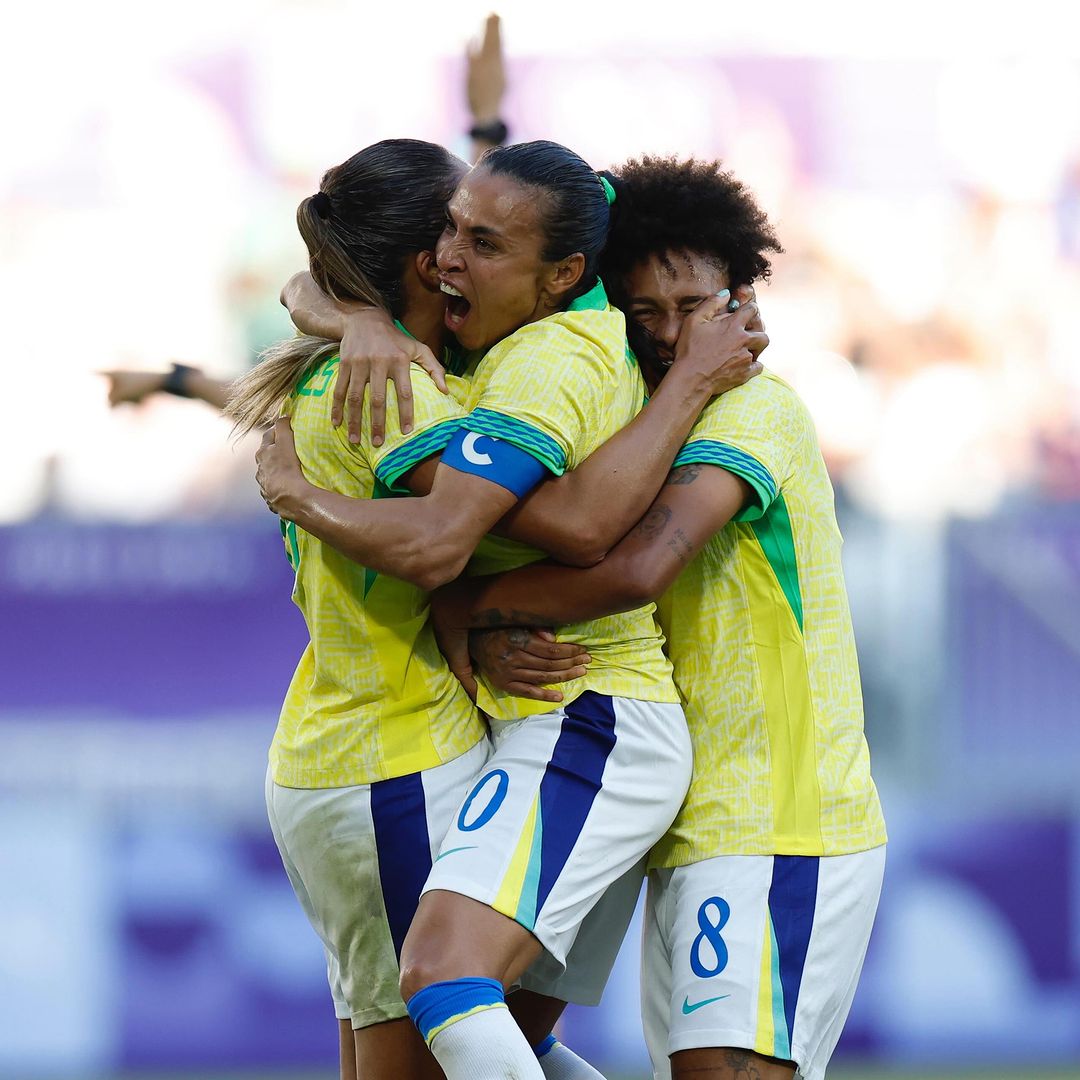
{"points": [[417, 972]]}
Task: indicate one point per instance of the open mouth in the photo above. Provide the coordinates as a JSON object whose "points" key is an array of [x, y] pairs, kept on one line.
{"points": [[457, 307]]}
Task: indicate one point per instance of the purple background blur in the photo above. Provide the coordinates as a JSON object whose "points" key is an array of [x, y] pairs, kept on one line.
{"points": [[143, 668]]}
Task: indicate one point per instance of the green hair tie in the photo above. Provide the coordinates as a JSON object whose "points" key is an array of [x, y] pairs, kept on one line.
{"points": [[609, 191]]}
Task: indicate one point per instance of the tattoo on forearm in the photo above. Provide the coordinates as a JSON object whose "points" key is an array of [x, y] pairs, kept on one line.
{"points": [[681, 546], [654, 522], [496, 617], [684, 474]]}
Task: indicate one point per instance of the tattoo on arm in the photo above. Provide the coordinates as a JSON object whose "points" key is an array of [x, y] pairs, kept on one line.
{"points": [[684, 550], [684, 474], [654, 522], [493, 618]]}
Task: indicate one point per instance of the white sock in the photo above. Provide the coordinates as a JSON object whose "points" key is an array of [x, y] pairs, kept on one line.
{"points": [[487, 1045], [561, 1063]]}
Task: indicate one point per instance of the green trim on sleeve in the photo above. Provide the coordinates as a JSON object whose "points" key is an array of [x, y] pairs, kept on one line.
{"points": [[736, 461], [773, 530], [409, 454], [524, 436]]}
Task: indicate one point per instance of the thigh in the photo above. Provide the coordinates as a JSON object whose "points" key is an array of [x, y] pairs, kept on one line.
{"points": [[764, 950], [592, 956], [728, 1063], [360, 856], [569, 802]]}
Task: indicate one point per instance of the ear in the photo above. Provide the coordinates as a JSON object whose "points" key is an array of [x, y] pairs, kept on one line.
{"points": [[562, 277], [427, 270]]}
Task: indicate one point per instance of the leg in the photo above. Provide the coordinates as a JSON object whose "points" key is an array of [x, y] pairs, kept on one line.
{"points": [[457, 960], [535, 1014], [346, 1050], [456, 937], [392, 1051], [728, 1063], [569, 802], [761, 954]]}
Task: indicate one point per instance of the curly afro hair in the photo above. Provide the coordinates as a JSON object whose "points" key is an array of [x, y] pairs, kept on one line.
{"points": [[665, 204]]}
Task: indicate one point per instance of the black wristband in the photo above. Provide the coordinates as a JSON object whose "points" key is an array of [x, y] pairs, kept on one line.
{"points": [[176, 381], [495, 132]]}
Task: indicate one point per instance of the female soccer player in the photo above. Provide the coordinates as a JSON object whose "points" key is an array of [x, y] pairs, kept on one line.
{"points": [[377, 743], [763, 893], [604, 775]]}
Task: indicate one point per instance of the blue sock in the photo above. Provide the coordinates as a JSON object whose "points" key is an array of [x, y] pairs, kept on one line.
{"points": [[440, 1004], [546, 1046], [470, 1031], [558, 1062]]}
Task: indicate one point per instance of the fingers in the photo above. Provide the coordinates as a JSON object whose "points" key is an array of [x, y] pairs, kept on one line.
{"points": [[526, 661], [341, 387], [713, 308], [426, 359], [716, 309], [377, 389], [540, 649], [535, 693], [492, 35], [282, 430], [532, 677], [758, 343], [268, 439], [403, 389]]}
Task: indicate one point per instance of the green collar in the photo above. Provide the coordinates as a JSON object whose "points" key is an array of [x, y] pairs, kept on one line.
{"points": [[594, 300], [454, 360]]}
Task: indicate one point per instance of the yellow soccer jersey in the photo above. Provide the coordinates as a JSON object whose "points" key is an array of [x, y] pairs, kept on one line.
{"points": [[557, 389], [760, 635], [372, 697]]}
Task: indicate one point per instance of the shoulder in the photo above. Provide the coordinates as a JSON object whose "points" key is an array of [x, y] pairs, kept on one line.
{"points": [[764, 402], [592, 336]]}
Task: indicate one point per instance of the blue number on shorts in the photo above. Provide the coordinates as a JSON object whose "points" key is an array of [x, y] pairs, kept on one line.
{"points": [[493, 804], [710, 932]]}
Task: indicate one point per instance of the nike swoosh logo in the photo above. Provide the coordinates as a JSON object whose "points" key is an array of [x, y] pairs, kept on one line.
{"points": [[687, 1008], [468, 847]]}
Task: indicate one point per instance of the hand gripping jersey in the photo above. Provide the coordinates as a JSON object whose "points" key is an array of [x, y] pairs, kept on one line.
{"points": [[760, 635], [372, 697], [557, 389]]}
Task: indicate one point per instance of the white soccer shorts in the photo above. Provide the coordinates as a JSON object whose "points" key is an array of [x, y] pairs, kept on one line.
{"points": [[357, 858], [757, 952], [569, 802]]}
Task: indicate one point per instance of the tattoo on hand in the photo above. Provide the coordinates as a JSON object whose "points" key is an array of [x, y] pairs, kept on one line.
{"points": [[684, 474], [518, 636], [654, 522]]}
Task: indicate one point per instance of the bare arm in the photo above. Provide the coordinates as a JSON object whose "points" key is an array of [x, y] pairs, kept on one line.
{"points": [[485, 81], [373, 351], [425, 541], [581, 515], [133, 387], [695, 503]]}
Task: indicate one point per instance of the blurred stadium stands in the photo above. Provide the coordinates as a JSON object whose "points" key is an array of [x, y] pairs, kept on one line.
{"points": [[927, 307]]}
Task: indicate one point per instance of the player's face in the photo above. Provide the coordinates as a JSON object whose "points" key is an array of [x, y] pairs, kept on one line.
{"points": [[664, 289], [489, 255]]}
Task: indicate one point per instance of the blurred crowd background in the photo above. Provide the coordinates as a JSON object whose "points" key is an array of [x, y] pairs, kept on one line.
{"points": [[922, 168]]}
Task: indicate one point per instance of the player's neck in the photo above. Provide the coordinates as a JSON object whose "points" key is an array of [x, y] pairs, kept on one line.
{"points": [[424, 320]]}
